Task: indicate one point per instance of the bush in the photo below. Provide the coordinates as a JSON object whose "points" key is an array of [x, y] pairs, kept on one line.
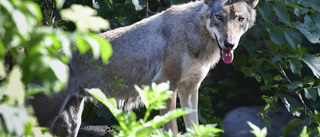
{"points": [[31, 61], [280, 54]]}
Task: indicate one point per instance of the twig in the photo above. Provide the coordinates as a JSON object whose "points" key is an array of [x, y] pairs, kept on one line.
{"points": [[147, 9], [287, 78]]}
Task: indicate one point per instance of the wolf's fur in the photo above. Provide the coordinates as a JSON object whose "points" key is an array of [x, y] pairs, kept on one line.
{"points": [[180, 44]]}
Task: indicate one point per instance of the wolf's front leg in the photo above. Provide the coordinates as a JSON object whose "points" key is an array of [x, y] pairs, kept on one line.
{"points": [[188, 96], [171, 104]]}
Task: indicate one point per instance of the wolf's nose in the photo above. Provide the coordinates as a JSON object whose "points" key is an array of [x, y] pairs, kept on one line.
{"points": [[228, 45]]}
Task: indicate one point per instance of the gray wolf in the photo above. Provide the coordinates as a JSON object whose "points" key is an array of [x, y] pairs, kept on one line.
{"points": [[179, 45]]}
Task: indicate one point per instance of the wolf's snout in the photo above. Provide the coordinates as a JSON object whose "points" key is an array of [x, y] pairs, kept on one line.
{"points": [[228, 45]]}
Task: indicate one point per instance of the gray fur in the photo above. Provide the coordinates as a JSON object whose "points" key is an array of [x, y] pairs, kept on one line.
{"points": [[178, 45]]}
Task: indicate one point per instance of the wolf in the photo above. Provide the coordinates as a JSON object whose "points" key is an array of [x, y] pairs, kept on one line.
{"points": [[180, 45]]}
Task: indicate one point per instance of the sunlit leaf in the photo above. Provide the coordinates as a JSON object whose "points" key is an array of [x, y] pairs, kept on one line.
{"points": [[15, 89], [84, 18], [257, 131], [158, 121], [313, 63], [35, 10], [292, 104], [59, 3], [110, 103], [105, 47], [95, 46], [15, 119], [7, 5], [139, 4], [304, 132], [60, 70], [21, 23]]}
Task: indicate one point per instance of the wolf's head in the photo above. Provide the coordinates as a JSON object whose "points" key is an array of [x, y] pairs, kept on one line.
{"points": [[227, 20]]}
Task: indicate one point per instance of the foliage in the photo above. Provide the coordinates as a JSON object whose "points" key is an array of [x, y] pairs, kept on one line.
{"points": [[285, 62], [280, 55], [154, 98], [31, 61], [257, 131]]}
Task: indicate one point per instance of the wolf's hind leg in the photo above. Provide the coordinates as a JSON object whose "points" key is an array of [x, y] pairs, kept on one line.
{"points": [[68, 120], [171, 102]]}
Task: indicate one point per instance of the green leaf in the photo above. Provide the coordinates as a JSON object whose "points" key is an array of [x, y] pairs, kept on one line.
{"points": [[84, 18], [154, 97], [282, 12], [292, 124], [291, 104], [110, 103], [59, 3], [7, 5], [304, 132], [318, 88], [309, 80], [309, 29], [2, 71], [34, 10], [158, 121], [311, 93], [300, 12], [2, 49], [294, 85], [313, 63], [105, 47], [277, 37], [275, 59], [250, 46], [293, 37], [265, 11], [100, 6], [94, 44], [83, 46], [295, 66], [208, 130], [60, 70], [311, 3]]}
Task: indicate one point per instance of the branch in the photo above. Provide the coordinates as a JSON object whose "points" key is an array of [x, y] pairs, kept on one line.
{"points": [[287, 78]]}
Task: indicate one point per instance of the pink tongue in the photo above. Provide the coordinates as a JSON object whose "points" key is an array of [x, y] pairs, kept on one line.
{"points": [[227, 56]]}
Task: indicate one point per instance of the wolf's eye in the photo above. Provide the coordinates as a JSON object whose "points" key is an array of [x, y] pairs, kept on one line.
{"points": [[218, 17], [241, 19]]}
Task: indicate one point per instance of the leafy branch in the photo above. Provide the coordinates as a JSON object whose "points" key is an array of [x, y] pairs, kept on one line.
{"points": [[287, 78]]}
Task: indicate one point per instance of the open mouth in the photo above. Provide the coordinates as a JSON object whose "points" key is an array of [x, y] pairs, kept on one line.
{"points": [[227, 56]]}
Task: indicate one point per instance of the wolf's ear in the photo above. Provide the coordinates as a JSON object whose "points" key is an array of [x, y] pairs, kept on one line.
{"points": [[252, 3]]}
